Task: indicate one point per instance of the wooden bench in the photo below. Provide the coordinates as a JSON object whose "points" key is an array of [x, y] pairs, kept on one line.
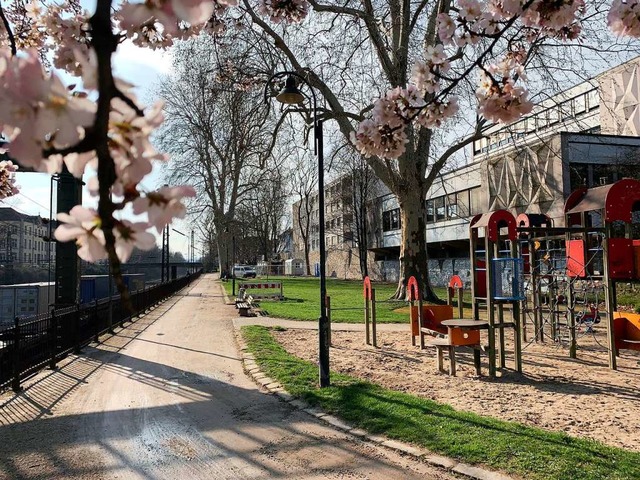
{"points": [[244, 306], [627, 332], [442, 344]]}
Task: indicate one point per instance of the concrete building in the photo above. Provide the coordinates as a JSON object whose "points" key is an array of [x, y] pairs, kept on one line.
{"points": [[586, 135], [341, 229]]}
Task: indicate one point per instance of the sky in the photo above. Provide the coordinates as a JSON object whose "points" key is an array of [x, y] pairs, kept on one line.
{"points": [[143, 68]]}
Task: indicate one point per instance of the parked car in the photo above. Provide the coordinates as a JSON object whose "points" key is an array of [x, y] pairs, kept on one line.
{"points": [[244, 271]]}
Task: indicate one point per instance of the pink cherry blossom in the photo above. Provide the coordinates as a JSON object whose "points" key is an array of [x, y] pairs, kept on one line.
{"points": [[61, 117], [83, 226], [624, 18], [163, 205], [446, 28], [8, 186], [287, 11], [504, 103], [131, 235]]}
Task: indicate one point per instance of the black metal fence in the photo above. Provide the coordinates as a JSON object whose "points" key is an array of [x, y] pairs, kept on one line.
{"points": [[36, 342]]}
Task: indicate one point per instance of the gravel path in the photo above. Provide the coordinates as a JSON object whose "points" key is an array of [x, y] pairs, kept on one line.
{"points": [[166, 398]]}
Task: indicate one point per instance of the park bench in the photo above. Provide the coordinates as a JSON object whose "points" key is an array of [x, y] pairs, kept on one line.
{"points": [[244, 305]]}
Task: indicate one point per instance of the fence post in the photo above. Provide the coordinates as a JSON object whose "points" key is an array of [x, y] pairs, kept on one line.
{"points": [[96, 337], [373, 317], [460, 304], [327, 303], [53, 339], [76, 348], [110, 315], [15, 382]]}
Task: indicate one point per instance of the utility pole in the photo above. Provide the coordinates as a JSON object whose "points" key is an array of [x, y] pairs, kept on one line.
{"points": [[67, 275], [164, 233], [193, 253]]}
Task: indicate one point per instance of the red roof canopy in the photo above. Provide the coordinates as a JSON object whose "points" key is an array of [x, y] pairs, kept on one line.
{"points": [[493, 222], [617, 200]]}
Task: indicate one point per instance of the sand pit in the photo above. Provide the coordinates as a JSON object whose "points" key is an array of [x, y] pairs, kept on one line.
{"points": [[580, 397]]}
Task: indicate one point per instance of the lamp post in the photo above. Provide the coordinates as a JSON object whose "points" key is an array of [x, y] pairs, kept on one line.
{"points": [[291, 95], [233, 264]]}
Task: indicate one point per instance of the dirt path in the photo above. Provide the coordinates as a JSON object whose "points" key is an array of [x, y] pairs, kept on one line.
{"points": [[166, 398]]}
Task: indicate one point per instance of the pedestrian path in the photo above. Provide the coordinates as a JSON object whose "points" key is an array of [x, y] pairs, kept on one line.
{"points": [[167, 397]]}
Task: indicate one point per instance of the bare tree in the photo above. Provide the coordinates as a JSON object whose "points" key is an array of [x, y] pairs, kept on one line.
{"points": [[304, 181], [362, 192], [262, 213], [217, 133]]}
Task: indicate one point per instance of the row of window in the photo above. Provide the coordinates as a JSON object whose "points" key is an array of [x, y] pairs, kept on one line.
{"points": [[568, 109], [333, 240], [462, 204]]}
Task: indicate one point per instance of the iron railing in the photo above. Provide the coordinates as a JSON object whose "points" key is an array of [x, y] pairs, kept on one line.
{"points": [[43, 340]]}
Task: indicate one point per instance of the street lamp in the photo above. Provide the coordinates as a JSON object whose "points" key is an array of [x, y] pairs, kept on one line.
{"points": [[291, 95]]}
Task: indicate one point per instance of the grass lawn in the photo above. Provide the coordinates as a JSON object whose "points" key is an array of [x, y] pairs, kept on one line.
{"points": [[510, 447], [302, 300]]}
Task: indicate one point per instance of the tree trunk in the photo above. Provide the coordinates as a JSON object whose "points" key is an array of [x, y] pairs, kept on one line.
{"points": [[413, 249], [225, 252], [362, 240], [306, 257]]}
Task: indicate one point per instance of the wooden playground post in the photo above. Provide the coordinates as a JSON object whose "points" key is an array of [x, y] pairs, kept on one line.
{"points": [[367, 297], [517, 324], [373, 317], [366, 321], [420, 323], [609, 296], [503, 358], [490, 309], [460, 305], [413, 338]]}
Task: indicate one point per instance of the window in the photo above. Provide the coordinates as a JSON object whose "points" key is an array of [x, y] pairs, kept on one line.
{"points": [[592, 99], [462, 204], [391, 220], [475, 206], [580, 104], [431, 209], [452, 206], [566, 110], [439, 207]]}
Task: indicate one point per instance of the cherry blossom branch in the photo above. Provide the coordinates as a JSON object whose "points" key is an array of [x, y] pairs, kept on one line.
{"points": [[105, 43], [117, 93], [7, 27]]}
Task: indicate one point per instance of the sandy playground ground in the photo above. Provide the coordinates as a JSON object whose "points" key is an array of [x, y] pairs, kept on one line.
{"points": [[581, 397]]}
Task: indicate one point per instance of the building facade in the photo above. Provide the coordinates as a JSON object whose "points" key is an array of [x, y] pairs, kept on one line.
{"points": [[23, 238], [344, 218], [586, 135]]}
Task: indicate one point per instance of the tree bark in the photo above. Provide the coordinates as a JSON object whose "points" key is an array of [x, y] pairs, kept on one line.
{"points": [[413, 247]]}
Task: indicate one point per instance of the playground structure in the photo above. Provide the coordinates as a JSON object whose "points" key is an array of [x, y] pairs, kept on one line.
{"points": [[569, 270], [527, 272], [497, 281]]}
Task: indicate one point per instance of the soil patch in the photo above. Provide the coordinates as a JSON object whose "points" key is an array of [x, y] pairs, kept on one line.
{"points": [[581, 397]]}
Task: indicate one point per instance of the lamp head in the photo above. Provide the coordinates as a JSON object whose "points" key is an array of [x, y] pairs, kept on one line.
{"points": [[290, 94]]}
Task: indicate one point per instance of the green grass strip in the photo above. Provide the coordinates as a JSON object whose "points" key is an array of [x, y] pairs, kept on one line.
{"points": [[302, 300], [513, 448]]}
